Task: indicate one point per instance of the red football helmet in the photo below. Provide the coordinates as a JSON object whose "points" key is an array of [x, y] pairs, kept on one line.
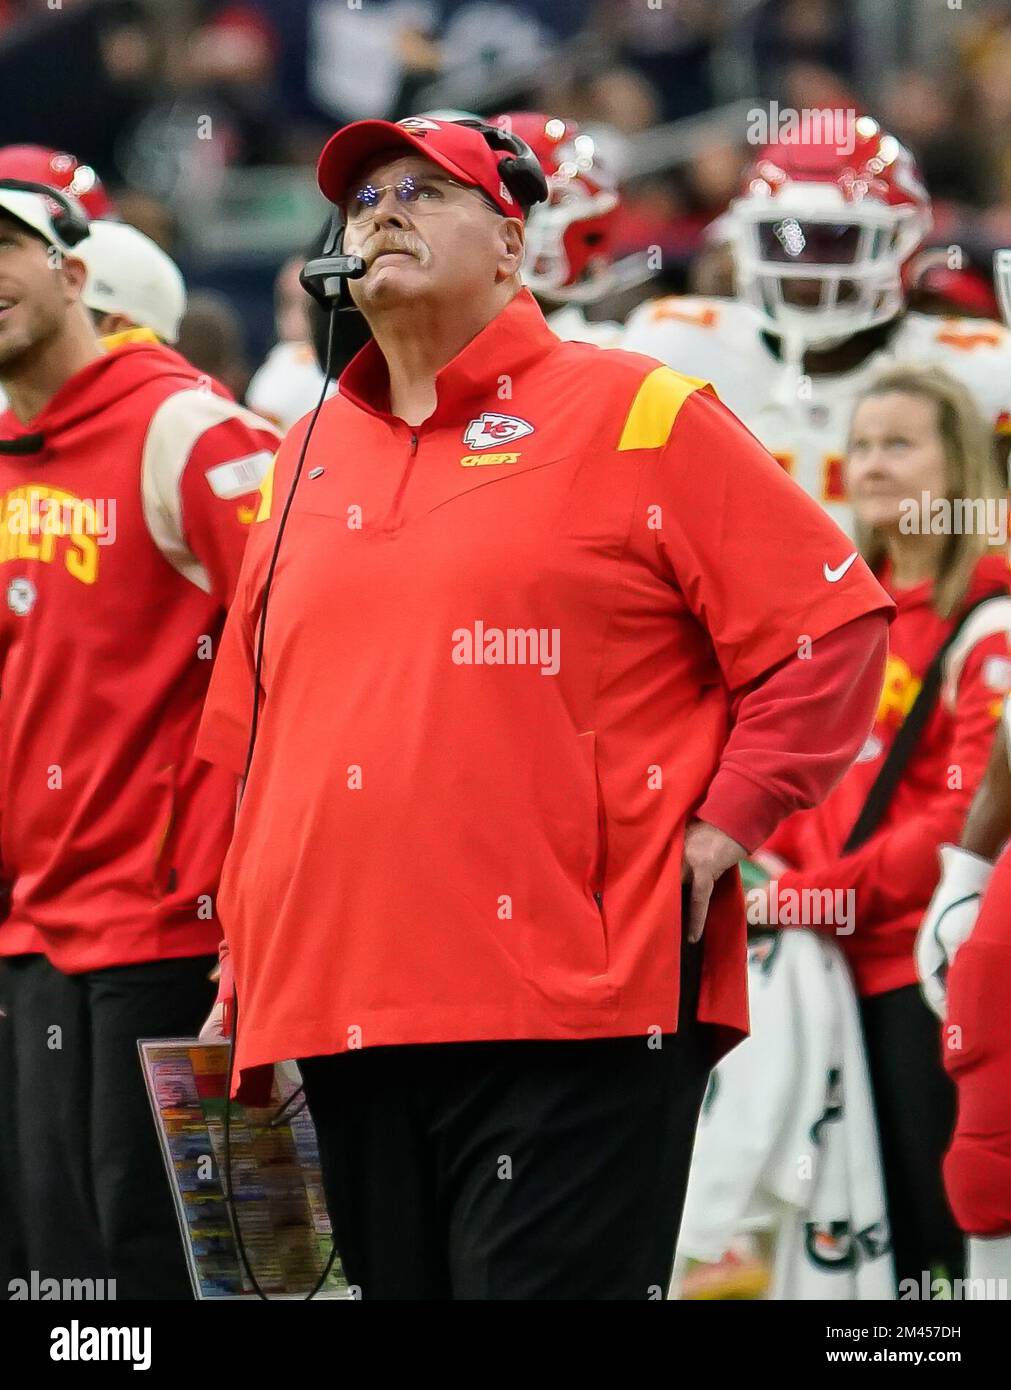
{"points": [[941, 288], [568, 238], [824, 228], [59, 170]]}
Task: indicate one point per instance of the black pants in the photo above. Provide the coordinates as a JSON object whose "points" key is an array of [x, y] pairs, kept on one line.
{"points": [[914, 1103], [12, 1255], [511, 1170], [92, 1187]]}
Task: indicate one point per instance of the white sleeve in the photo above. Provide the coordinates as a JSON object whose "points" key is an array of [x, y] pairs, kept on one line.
{"points": [[989, 618], [175, 427]]}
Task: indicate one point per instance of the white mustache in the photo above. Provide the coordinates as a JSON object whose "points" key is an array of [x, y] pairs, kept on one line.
{"points": [[388, 241]]}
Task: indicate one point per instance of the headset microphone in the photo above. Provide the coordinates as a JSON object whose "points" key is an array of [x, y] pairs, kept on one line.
{"points": [[325, 276]]}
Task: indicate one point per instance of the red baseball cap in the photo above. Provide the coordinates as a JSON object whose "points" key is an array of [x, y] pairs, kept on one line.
{"points": [[461, 150]]}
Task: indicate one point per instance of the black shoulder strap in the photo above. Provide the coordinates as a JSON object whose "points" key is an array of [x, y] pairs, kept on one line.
{"points": [[897, 757]]}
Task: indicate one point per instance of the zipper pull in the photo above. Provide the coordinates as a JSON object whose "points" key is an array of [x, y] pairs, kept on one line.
{"points": [[414, 443]]}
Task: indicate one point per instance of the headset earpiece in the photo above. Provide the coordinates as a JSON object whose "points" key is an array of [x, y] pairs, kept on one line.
{"points": [[522, 174]]}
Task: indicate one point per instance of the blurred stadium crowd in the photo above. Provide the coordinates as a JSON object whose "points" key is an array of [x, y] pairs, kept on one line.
{"points": [[204, 117]]}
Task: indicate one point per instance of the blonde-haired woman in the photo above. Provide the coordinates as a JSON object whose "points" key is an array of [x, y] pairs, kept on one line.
{"points": [[929, 504]]}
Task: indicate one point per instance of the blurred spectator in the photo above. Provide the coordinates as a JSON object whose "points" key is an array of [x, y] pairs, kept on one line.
{"points": [[925, 115], [227, 68], [615, 96], [217, 105], [291, 303], [990, 94], [670, 46], [210, 337], [673, 213], [806, 86], [339, 63], [104, 56], [823, 33], [152, 217]]}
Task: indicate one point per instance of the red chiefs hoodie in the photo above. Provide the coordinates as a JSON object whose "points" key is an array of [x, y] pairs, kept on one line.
{"points": [[123, 513], [893, 874]]}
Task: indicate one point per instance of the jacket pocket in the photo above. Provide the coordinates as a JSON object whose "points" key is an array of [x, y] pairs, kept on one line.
{"points": [[597, 857], [163, 869]]}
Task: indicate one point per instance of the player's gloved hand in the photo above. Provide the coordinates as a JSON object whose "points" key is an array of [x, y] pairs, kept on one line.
{"points": [[949, 920], [218, 1025]]}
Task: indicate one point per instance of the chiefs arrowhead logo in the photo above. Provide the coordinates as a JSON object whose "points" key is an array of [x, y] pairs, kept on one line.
{"points": [[418, 125], [491, 430]]}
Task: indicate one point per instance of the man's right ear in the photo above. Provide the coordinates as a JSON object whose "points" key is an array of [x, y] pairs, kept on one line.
{"points": [[513, 242], [72, 269]]}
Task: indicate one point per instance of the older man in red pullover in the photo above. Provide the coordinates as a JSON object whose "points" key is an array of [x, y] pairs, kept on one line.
{"points": [[530, 689]]}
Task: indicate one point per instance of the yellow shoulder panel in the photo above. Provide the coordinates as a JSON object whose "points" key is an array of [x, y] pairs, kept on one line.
{"points": [[653, 411], [112, 341], [266, 493]]}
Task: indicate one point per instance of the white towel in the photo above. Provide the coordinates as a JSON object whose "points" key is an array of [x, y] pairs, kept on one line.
{"points": [[786, 1141]]}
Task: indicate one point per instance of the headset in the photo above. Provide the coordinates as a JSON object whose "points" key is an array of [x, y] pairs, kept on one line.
{"points": [[70, 222], [325, 279]]}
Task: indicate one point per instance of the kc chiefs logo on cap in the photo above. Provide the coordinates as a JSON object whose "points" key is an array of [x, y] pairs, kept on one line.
{"points": [[418, 125], [490, 430]]}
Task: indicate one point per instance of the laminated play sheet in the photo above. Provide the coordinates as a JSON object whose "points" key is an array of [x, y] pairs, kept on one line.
{"points": [[274, 1172]]}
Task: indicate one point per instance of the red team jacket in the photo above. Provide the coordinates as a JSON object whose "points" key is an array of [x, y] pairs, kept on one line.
{"points": [[894, 873], [437, 843], [124, 508], [976, 1045]]}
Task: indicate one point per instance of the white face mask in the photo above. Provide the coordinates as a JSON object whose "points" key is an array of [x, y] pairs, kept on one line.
{"points": [[849, 255]]}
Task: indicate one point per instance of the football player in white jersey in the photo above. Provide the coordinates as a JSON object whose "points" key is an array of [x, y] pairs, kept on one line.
{"points": [[569, 259], [821, 242]]}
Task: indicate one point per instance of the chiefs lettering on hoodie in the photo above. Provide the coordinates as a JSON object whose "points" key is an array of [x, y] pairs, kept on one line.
{"points": [[124, 507]]}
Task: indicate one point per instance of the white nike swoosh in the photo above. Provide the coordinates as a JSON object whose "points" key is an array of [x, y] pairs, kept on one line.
{"points": [[834, 575]]}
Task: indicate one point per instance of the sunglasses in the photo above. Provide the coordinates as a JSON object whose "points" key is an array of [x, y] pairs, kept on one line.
{"points": [[420, 192]]}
